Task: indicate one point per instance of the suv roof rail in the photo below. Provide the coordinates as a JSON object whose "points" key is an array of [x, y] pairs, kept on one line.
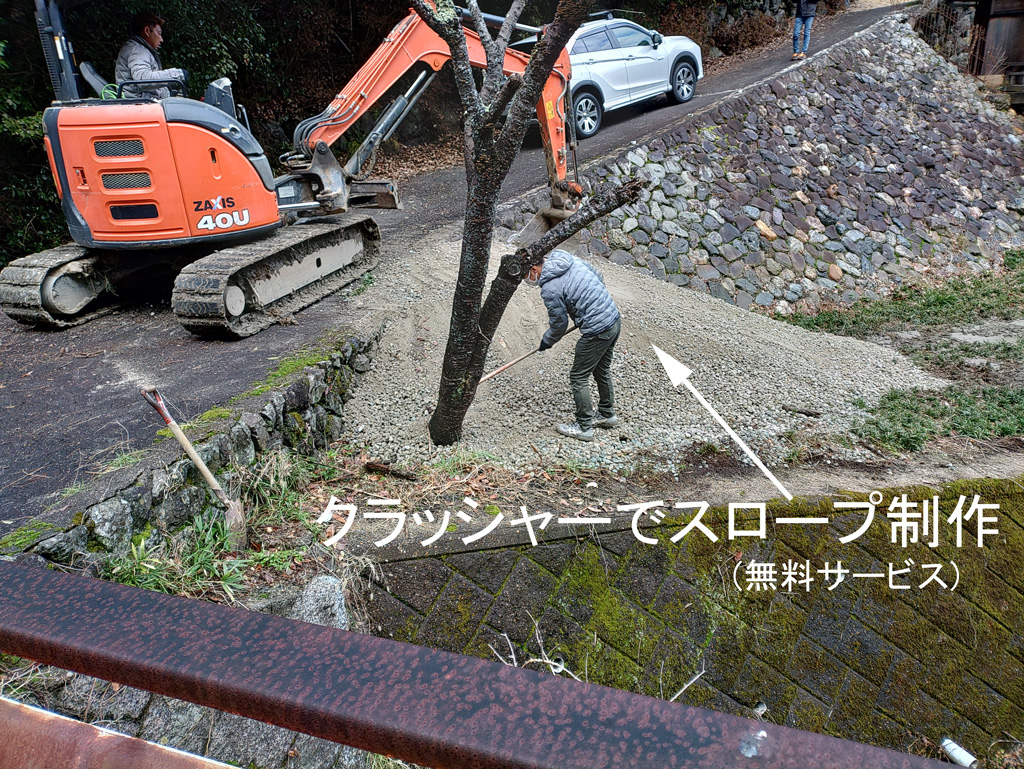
{"points": [[613, 13]]}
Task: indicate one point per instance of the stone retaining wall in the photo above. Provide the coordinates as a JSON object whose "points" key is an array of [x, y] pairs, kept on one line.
{"points": [[304, 414], [871, 166]]}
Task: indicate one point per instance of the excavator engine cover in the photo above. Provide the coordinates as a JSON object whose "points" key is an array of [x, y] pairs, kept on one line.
{"points": [[169, 173]]}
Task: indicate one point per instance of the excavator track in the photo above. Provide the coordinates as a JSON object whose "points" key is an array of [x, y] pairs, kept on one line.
{"points": [[239, 291], [22, 282]]}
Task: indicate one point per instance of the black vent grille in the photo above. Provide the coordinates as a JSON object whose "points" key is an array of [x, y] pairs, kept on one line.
{"points": [[121, 148], [140, 211], [132, 181]]}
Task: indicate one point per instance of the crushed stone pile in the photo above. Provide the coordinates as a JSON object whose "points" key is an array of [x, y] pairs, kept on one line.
{"points": [[763, 376]]}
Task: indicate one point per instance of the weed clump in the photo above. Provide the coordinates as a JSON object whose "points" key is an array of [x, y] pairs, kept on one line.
{"points": [[197, 564], [918, 319], [905, 421]]}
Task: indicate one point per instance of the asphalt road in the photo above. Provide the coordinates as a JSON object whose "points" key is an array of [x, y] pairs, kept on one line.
{"points": [[69, 400]]}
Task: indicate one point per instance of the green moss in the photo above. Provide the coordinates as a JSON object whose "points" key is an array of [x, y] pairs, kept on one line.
{"points": [[213, 415], [407, 632], [25, 536], [143, 535], [294, 428], [808, 714], [310, 355], [465, 622], [77, 518]]}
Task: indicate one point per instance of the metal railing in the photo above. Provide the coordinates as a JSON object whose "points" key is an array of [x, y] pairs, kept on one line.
{"points": [[37, 738], [422, 705]]}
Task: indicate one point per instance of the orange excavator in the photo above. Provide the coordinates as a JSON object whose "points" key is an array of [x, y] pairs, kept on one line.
{"points": [[147, 183]]}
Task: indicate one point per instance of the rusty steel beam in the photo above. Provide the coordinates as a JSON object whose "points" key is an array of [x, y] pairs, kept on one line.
{"points": [[38, 739], [422, 705]]}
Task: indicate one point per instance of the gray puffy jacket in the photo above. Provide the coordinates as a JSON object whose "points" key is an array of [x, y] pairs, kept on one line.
{"points": [[138, 61], [571, 288]]}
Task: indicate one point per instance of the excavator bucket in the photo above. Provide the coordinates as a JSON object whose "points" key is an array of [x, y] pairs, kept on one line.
{"points": [[541, 222]]}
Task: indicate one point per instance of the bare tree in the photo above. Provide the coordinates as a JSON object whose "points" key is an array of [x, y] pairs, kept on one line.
{"points": [[490, 147]]}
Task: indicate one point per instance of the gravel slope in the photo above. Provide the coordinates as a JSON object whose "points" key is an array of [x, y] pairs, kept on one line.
{"points": [[752, 369]]}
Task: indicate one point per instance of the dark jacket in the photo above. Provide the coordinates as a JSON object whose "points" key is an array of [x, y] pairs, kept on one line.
{"points": [[571, 288], [138, 61], [806, 9]]}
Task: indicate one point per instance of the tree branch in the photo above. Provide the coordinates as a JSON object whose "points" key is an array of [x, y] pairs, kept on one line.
{"points": [[494, 75], [606, 199], [511, 19], [446, 21], [568, 17], [496, 108], [481, 28]]}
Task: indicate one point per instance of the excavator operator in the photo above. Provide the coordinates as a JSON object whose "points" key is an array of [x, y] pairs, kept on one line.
{"points": [[138, 58]]}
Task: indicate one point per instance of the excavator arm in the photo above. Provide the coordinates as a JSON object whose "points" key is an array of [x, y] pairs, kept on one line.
{"points": [[412, 42]]}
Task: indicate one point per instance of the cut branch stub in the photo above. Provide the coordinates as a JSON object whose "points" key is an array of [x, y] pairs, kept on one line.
{"points": [[605, 199]]}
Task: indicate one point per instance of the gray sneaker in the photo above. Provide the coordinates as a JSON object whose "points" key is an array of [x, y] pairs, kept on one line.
{"points": [[606, 422], [577, 432]]}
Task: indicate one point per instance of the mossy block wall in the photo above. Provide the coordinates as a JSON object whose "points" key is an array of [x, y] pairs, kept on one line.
{"points": [[860, 661]]}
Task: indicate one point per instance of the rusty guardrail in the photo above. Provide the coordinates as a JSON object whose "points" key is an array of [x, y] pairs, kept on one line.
{"points": [[36, 738], [422, 705]]}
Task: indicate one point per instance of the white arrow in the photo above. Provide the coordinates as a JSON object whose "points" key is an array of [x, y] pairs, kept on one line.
{"points": [[680, 374]]}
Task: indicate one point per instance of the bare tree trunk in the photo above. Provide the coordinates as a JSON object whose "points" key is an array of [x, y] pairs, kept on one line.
{"points": [[459, 377], [489, 153]]}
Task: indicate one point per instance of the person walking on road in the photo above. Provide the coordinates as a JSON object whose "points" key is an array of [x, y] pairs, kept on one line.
{"points": [[805, 10], [572, 289]]}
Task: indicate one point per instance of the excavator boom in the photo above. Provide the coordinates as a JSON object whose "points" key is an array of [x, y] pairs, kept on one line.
{"points": [[412, 42]]}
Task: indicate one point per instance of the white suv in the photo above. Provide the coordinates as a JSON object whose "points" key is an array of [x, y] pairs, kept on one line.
{"points": [[616, 62]]}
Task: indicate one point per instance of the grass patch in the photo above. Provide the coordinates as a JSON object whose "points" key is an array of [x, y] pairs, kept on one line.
{"points": [[1013, 259], [956, 301], [197, 565], [70, 491], [364, 283], [278, 560], [462, 460], [946, 353], [905, 421], [122, 460], [274, 491], [307, 356]]}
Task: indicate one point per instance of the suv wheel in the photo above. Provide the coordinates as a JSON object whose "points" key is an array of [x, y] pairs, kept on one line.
{"points": [[586, 112], [684, 82]]}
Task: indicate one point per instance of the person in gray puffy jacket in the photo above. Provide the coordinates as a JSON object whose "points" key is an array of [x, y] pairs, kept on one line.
{"points": [[573, 290], [138, 59]]}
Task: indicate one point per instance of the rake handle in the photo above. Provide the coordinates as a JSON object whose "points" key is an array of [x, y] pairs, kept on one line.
{"points": [[497, 371]]}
